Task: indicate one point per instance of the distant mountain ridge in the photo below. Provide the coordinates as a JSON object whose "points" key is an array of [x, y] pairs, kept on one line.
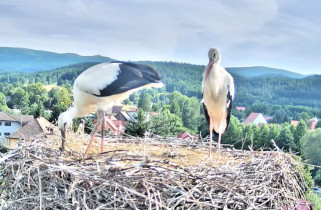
{"points": [[259, 71], [29, 60]]}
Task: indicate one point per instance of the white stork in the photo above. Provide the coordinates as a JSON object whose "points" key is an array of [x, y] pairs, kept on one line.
{"points": [[103, 85], [218, 94]]}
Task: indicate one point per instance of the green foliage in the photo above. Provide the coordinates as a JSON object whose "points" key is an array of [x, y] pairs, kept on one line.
{"points": [[175, 103], [274, 131], [190, 113], [139, 127], [299, 132], [264, 140], [285, 140], [318, 125], [20, 98], [145, 101], [314, 198], [60, 101], [317, 177], [3, 104], [234, 132], [37, 93], [3, 149], [167, 124], [311, 147]]}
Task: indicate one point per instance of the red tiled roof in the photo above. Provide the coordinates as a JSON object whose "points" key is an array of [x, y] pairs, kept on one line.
{"points": [[154, 113], [184, 135], [294, 122], [313, 124], [23, 119], [251, 118], [111, 124], [117, 109], [133, 109], [36, 127], [240, 108]]}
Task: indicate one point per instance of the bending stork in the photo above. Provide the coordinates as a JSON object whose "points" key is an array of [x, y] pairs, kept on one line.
{"points": [[218, 94], [103, 85]]}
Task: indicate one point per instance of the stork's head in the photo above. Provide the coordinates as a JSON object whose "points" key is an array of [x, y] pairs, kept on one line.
{"points": [[214, 57], [64, 122]]}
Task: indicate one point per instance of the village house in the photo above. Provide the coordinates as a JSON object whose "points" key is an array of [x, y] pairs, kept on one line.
{"points": [[240, 108], [35, 128], [311, 123], [255, 119], [10, 123]]}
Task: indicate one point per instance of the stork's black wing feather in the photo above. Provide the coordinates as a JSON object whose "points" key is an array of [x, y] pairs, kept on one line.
{"points": [[208, 118], [229, 109], [130, 76]]}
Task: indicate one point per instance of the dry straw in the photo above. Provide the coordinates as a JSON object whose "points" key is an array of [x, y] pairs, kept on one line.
{"points": [[37, 176]]}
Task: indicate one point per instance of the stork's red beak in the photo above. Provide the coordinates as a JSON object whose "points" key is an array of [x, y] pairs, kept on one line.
{"points": [[208, 68]]}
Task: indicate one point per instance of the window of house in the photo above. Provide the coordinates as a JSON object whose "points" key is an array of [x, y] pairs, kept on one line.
{"points": [[6, 134], [0, 123], [7, 124]]}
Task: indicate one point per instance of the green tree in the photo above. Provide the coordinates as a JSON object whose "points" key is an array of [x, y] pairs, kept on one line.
{"points": [[20, 98], [139, 126], [285, 140], [60, 101], [234, 133], [167, 124], [248, 136], [37, 93], [317, 177], [305, 116], [274, 131], [191, 114], [311, 147], [175, 106], [145, 101], [318, 125], [256, 134], [3, 104], [264, 140], [299, 132]]}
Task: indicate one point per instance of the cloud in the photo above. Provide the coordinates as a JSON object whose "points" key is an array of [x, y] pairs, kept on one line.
{"points": [[249, 32]]}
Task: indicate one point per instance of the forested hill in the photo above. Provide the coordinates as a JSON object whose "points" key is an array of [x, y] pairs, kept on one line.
{"points": [[261, 71], [186, 78], [28, 60]]}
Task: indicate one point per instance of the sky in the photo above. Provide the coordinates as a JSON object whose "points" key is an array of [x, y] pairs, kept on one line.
{"points": [[274, 33]]}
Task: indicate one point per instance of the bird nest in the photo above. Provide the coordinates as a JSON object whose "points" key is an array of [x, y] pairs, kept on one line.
{"points": [[38, 176]]}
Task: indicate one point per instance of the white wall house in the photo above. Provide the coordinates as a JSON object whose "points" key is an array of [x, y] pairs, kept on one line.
{"points": [[255, 118], [10, 124], [8, 127]]}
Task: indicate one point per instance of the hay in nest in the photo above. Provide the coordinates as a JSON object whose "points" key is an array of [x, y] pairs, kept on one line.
{"points": [[37, 176]]}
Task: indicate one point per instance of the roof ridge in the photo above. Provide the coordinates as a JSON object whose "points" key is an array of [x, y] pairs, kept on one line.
{"points": [[9, 115]]}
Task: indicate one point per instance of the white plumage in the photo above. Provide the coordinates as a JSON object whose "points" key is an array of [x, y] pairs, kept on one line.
{"points": [[218, 95], [103, 85]]}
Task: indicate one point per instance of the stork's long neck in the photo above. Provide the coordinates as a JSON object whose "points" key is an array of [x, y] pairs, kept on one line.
{"points": [[72, 113]]}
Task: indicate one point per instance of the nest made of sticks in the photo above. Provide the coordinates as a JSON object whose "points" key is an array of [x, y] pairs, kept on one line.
{"points": [[36, 176]]}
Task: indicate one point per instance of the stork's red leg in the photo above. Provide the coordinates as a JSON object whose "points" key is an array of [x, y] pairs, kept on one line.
{"points": [[211, 136], [94, 132], [219, 145], [102, 131]]}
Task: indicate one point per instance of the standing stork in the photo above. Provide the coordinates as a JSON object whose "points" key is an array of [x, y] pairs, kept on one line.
{"points": [[103, 85], [218, 94]]}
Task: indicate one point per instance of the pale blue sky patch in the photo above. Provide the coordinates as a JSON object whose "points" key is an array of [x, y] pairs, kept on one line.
{"points": [[274, 33]]}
